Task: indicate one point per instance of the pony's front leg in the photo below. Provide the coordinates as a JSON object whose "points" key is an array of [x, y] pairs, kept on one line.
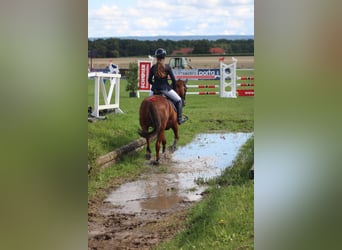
{"points": [[175, 132], [174, 145]]}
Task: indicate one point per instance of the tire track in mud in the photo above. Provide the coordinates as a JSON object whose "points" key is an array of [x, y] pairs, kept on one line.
{"points": [[112, 227], [108, 229]]}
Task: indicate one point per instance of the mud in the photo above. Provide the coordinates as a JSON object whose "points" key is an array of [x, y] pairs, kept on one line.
{"points": [[148, 211]]}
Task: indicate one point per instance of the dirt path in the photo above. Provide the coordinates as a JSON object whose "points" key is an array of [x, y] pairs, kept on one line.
{"points": [[111, 230], [156, 219], [244, 62], [119, 227], [143, 213]]}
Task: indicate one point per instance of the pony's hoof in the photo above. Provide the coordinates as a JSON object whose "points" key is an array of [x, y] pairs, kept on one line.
{"points": [[148, 157], [156, 162], [172, 149]]}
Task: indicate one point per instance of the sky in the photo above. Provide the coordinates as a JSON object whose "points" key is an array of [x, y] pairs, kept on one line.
{"points": [[165, 17]]}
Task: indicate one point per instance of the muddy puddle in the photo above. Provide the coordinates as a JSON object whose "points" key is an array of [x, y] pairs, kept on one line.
{"points": [[172, 183]]}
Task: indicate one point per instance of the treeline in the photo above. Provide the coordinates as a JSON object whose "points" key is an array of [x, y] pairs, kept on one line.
{"points": [[115, 47]]}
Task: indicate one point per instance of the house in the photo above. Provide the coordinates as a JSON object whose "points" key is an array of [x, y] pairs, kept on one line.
{"points": [[182, 51], [216, 51]]}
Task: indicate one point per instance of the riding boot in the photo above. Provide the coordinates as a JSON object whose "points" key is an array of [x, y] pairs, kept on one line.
{"points": [[179, 107]]}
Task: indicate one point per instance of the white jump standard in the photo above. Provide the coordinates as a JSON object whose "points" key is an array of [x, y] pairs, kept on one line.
{"points": [[99, 78]]}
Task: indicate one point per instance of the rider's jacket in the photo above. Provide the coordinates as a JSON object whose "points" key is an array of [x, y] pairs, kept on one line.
{"points": [[159, 84]]}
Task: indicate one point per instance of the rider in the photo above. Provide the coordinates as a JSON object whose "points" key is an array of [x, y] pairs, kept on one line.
{"points": [[158, 78]]}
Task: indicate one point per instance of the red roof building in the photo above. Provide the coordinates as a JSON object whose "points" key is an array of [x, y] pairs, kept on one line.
{"points": [[182, 51], [216, 51]]}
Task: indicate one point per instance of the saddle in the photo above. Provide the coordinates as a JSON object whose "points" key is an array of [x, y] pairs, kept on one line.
{"points": [[167, 98]]}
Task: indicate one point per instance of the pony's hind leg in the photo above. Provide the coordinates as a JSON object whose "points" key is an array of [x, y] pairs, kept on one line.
{"points": [[163, 140], [148, 149], [159, 139]]}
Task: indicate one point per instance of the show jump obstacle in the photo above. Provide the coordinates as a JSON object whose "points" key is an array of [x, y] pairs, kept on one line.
{"points": [[228, 79], [100, 79], [226, 74]]}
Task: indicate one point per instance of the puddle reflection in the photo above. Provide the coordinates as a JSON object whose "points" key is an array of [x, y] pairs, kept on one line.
{"points": [[205, 157]]}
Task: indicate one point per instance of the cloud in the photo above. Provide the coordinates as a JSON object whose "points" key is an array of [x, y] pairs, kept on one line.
{"points": [[178, 17]]}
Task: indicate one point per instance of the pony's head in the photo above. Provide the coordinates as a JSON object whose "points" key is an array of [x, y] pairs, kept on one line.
{"points": [[181, 89]]}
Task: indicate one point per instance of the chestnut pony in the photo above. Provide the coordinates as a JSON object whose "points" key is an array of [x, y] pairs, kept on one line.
{"points": [[159, 113]]}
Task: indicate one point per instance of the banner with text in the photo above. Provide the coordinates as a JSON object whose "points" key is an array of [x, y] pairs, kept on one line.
{"points": [[197, 74], [144, 70]]}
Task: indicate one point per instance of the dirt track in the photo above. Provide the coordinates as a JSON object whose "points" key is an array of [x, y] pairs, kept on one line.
{"points": [[244, 62], [110, 230], [115, 228], [141, 214]]}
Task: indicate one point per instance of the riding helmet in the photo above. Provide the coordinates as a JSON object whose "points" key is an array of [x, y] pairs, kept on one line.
{"points": [[160, 53]]}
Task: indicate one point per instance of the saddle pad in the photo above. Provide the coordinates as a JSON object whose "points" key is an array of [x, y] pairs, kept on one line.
{"points": [[152, 98]]}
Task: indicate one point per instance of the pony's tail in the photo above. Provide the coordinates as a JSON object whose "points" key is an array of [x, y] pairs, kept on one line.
{"points": [[156, 124]]}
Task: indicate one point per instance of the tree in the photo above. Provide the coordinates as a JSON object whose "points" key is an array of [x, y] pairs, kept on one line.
{"points": [[201, 47], [115, 47], [115, 53], [132, 78]]}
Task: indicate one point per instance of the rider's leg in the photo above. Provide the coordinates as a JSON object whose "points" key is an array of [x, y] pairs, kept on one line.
{"points": [[179, 106], [178, 103]]}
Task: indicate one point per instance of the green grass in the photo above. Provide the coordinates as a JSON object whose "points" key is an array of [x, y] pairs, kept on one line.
{"points": [[206, 114], [224, 220]]}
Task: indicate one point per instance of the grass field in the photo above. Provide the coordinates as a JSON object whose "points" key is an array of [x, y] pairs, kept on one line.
{"points": [[224, 220], [206, 113]]}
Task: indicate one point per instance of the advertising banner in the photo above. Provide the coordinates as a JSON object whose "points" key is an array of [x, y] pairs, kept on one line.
{"points": [[144, 69], [197, 74]]}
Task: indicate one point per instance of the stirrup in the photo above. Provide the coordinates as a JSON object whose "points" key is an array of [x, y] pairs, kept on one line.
{"points": [[182, 119]]}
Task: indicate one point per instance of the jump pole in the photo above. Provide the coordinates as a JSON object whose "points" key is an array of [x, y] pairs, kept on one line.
{"points": [[228, 78]]}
